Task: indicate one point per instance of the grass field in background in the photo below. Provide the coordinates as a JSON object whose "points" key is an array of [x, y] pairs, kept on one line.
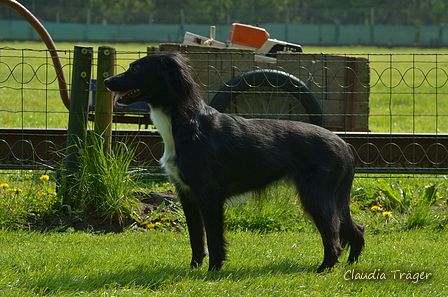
{"points": [[29, 90], [408, 92]]}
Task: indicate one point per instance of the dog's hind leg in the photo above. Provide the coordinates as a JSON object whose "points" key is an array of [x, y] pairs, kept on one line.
{"points": [[322, 208], [328, 226], [211, 205], [195, 228], [351, 233]]}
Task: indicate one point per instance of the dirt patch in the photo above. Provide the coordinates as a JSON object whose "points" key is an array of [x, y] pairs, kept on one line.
{"points": [[95, 223]]}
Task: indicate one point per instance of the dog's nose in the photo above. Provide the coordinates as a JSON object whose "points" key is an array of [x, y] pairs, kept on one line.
{"points": [[106, 81]]}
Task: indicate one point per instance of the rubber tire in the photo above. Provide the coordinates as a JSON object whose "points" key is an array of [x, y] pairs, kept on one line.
{"points": [[273, 78]]}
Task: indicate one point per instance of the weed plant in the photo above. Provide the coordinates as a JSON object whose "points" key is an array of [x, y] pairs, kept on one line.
{"points": [[401, 204], [26, 197]]}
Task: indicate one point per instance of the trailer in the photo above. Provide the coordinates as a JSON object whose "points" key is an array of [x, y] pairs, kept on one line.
{"points": [[257, 77], [254, 76]]}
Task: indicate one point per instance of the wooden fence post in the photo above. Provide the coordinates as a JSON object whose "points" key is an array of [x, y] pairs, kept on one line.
{"points": [[104, 99], [79, 106]]}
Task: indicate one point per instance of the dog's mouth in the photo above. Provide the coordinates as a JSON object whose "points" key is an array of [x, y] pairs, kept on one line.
{"points": [[126, 97]]}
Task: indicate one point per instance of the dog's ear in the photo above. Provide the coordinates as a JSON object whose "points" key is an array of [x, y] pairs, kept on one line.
{"points": [[181, 87], [164, 64], [171, 70]]}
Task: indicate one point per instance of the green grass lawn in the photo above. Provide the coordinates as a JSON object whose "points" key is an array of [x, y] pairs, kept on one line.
{"points": [[275, 264], [274, 249]]}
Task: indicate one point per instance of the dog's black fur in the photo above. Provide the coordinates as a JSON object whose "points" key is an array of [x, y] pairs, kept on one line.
{"points": [[211, 156]]}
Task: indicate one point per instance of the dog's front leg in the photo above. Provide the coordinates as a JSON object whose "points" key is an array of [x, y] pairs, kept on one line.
{"points": [[195, 228], [211, 206]]}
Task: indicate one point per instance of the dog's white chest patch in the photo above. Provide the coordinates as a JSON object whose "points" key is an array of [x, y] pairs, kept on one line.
{"points": [[163, 124]]}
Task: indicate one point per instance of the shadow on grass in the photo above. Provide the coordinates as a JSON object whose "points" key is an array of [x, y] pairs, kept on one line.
{"points": [[145, 278]]}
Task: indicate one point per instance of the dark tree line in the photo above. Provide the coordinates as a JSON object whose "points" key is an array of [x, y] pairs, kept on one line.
{"points": [[388, 12]]}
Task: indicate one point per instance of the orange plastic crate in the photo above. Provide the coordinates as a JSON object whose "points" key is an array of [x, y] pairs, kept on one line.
{"points": [[247, 35]]}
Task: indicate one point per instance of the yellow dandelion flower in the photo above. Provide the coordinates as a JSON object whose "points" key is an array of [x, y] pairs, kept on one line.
{"points": [[45, 177], [150, 226], [375, 208], [158, 224], [387, 214], [17, 190], [4, 185]]}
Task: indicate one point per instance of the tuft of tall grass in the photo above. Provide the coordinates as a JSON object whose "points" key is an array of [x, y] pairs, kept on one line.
{"points": [[428, 197], [104, 181]]}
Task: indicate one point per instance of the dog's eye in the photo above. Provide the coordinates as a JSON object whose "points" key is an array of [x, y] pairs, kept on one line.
{"points": [[134, 69]]}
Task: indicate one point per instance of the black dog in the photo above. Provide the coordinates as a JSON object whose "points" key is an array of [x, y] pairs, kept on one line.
{"points": [[211, 156]]}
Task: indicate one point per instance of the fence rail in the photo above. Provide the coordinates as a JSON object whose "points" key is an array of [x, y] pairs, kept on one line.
{"points": [[403, 153]]}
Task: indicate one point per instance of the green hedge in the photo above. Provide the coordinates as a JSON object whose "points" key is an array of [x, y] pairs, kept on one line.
{"points": [[380, 35]]}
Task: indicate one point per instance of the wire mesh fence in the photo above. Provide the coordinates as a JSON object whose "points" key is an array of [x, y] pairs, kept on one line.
{"points": [[391, 108]]}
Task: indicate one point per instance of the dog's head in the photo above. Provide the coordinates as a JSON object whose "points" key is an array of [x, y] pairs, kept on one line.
{"points": [[160, 80]]}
